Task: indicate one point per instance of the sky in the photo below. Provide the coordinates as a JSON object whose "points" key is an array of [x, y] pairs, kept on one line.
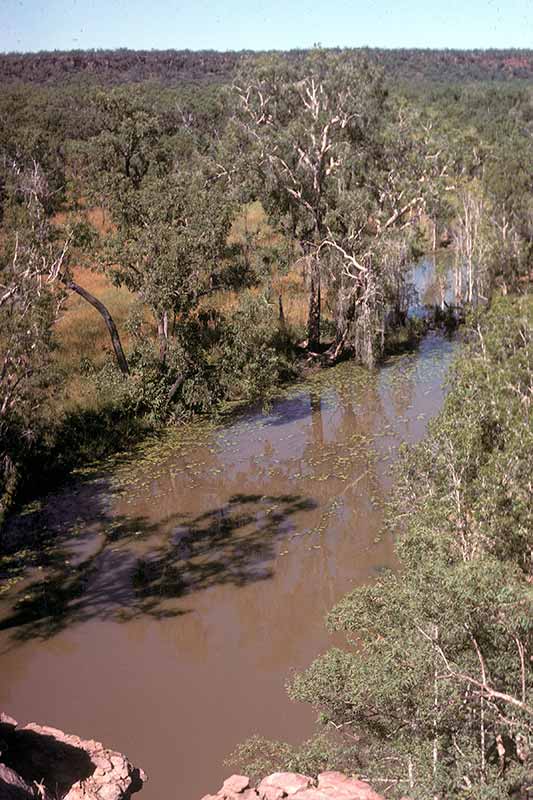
{"points": [[32, 25]]}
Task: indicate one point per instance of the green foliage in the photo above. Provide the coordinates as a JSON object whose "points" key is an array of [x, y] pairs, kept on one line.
{"points": [[211, 359], [260, 757], [173, 166], [439, 682], [255, 353], [29, 304], [411, 66]]}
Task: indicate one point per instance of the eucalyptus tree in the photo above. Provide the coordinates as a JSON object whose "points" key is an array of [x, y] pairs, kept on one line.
{"points": [[371, 229], [312, 124], [474, 245]]}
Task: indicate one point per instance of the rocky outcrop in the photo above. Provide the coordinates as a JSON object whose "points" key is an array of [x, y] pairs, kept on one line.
{"points": [[280, 785], [45, 763]]}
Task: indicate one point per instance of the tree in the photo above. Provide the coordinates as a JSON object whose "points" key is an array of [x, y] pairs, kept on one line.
{"points": [[169, 243], [170, 214], [312, 124], [31, 259], [474, 246], [371, 230], [342, 169]]}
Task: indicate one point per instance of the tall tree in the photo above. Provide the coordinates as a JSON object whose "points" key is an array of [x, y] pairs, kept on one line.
{"points": [[309, 122]]}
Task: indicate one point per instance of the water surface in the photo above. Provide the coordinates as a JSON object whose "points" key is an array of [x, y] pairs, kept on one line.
{"points": [[185, 584]]}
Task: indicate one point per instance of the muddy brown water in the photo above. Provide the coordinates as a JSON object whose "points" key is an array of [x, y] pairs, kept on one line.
{"points": [[180, 589]]}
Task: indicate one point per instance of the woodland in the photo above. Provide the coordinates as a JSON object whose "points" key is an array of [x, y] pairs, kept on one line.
{"points": [[184, 232]]}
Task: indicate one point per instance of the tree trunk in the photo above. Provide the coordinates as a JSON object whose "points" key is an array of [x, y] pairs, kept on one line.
{"points": [[178, 383], [108, 319], [344, 319], [281, 312], [162, 331], [313, 323]]}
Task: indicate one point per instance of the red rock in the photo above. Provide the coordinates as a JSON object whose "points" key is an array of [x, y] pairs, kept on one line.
{"points": [[235, 785], [50, 750], [288, 782], [248, 794], [109, 792], [271, 793], [346, 788]]}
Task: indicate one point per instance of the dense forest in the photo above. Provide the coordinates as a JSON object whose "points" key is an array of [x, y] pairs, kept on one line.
{"points": [[170, 67], [182, 232]]}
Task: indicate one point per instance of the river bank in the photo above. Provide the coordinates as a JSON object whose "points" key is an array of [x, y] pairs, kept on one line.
{"points": [[86, 436]]}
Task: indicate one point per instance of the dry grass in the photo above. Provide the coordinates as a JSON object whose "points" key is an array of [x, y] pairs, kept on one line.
{"points": [[251, 226], [82, 336]]}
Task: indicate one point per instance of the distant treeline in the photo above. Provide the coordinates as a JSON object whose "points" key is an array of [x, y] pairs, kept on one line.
{"points": [[174, 66]]}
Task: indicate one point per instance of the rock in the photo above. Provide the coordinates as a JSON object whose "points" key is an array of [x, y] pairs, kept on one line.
{"points": [[281, 785], [109, 792], [288, 782], [346, 788], [328, 779], [271, 793], [235, 784], [66, 765]]}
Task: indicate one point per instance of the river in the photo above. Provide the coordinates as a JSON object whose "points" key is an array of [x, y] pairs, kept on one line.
{"points": [[180, 588]]}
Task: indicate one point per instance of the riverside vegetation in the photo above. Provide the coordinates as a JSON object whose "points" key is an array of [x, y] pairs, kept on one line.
{"points": [[169, 249], [433, 696]]}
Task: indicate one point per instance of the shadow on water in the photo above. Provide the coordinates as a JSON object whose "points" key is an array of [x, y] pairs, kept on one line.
{"points": [[216, 547], [127, 570], [289, 410]]}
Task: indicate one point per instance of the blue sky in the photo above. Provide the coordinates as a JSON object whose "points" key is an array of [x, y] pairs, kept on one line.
{"points": [[267, 24]]}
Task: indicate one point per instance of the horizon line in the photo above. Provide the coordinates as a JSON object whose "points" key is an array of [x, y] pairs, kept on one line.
{"points": [[266, 50]]}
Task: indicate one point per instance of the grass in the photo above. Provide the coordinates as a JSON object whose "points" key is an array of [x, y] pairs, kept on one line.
{"points": [[83, 338], [81, 334]]}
